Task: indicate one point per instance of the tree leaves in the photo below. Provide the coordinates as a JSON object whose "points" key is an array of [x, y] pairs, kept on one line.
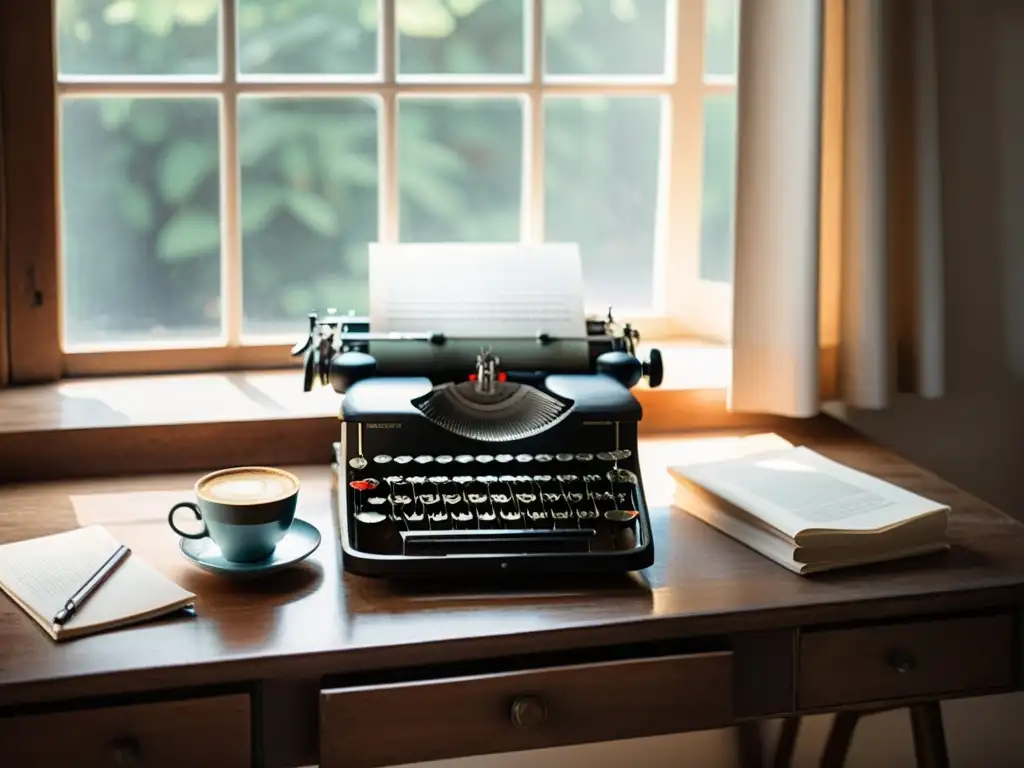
{"points": [[183, 167], [315, 212], [259, 202], [188, 235]]}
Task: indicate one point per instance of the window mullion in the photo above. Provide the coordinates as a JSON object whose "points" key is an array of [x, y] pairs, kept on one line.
{"points": [[533, 190], [231, 258], [387, 206], [677, 269]]}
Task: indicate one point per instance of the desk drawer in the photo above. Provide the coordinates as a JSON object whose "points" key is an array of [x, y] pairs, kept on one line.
{"points": [[905, 660], [438, 719], [210, 731]]}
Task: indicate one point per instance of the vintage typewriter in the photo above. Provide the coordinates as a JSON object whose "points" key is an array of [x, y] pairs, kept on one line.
{"points": [[468, 454]]}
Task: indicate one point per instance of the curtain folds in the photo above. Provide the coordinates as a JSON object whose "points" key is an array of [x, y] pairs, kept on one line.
{"points": [[838, 263]]}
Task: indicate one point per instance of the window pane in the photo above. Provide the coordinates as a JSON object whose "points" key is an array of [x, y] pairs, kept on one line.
{"points": [[719, 187], [721, 24], [307, 37], [460, 167], [605, 37], [141, 219], [601, 191], [460, 37], [308, 207], [138, 37]]}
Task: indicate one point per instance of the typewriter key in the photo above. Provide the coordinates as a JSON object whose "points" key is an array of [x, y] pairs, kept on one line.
{"points": [[503, 458], [370, 518], [537, 514], [438, 517], [621, 454], [413, 517], [574, 498], [563, 456], [416, 479], [392, 479], [591, 478], [444, 459], [403, 459], [464, 459], [364, 485], [381, 459], [526, 498], [486, 517], [424, 459], [358, 462], [566, 478], [429, 499], [452, 498], [621, 516], [463, 479], [587, 514], [399, 500], [542, 478], [584, 457], [524, 458], [484, 458], [605, 456], [488, 479], [551, 497], [510, 515], [500, 498], [523, 478], [543, 457], [620, 475], [477, 498], [462, 517], [438, 479], [377, 500], [507, 479]]}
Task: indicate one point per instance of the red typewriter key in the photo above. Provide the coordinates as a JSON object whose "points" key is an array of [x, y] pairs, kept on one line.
{"points": [[368, 484]]}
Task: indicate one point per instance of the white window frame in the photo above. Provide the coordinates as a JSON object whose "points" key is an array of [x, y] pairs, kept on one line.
{"points": [[684, 304]]}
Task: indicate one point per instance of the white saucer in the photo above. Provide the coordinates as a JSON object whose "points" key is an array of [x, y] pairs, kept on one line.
{"points": [[299, 543]]}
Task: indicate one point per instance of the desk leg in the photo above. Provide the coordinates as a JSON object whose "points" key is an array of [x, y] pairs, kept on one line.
{"points": [[787, 742], [929, 735], [839, 738], [751, 747]]}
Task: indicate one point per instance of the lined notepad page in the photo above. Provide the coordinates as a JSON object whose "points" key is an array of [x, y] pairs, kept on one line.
{"points": [[41, 574]]}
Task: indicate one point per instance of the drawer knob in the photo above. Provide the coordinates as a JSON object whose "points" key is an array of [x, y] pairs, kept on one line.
{"points": [[529, 711], [127, 752], [902, 661]]}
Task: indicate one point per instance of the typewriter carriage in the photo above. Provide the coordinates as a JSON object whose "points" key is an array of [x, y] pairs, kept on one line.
{"points": [[336, 352]]}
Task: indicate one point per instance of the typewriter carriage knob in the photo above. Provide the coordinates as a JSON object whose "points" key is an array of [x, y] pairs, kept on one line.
{"points": [[628, 369], [346, 368]]}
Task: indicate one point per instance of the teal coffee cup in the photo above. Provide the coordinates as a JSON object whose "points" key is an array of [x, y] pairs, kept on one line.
{"points": [[246, 511]]}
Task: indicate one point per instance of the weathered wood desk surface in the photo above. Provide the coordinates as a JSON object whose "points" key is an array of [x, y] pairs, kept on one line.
{"points": [[317, 666]]}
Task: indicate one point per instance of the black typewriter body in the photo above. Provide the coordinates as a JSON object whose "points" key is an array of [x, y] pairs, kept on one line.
{"points": [[451, 463], [418, 498]]}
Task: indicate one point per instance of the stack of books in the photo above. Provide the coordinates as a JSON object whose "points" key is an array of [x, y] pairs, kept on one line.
{"points": [[807, 512]]}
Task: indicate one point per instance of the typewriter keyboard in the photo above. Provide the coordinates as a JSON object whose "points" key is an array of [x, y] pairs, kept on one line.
{"points": [[440, 505]]}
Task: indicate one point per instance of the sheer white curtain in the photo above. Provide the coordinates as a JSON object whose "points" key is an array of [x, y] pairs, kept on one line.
{"points": [[838, 263]]}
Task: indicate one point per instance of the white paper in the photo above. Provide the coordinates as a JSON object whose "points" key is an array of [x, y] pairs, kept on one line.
{"points": [[476, 289]]}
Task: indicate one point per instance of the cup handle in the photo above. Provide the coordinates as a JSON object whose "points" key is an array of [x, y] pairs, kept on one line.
{"points": [[195, 510]]}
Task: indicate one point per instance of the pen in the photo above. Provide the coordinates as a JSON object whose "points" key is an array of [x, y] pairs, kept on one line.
{"points": [[91, 585]]}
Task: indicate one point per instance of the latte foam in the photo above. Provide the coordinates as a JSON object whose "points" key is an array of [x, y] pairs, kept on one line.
{"points": [[248, 486]]}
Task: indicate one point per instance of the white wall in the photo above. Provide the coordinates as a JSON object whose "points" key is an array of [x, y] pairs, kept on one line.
{"points": [[975, 435]]}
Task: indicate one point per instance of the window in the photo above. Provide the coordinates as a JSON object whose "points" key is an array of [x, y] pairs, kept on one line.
{"points": [[223, 164]]}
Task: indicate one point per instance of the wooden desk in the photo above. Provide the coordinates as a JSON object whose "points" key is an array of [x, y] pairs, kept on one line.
{"points": [[314, 666]]}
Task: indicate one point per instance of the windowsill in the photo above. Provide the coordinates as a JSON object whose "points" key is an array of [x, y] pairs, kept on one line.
{"points": [[122, 425]]}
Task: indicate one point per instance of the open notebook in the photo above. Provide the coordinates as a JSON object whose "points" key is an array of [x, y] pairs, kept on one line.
{"points": [[807, 512], [41, 574]]}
